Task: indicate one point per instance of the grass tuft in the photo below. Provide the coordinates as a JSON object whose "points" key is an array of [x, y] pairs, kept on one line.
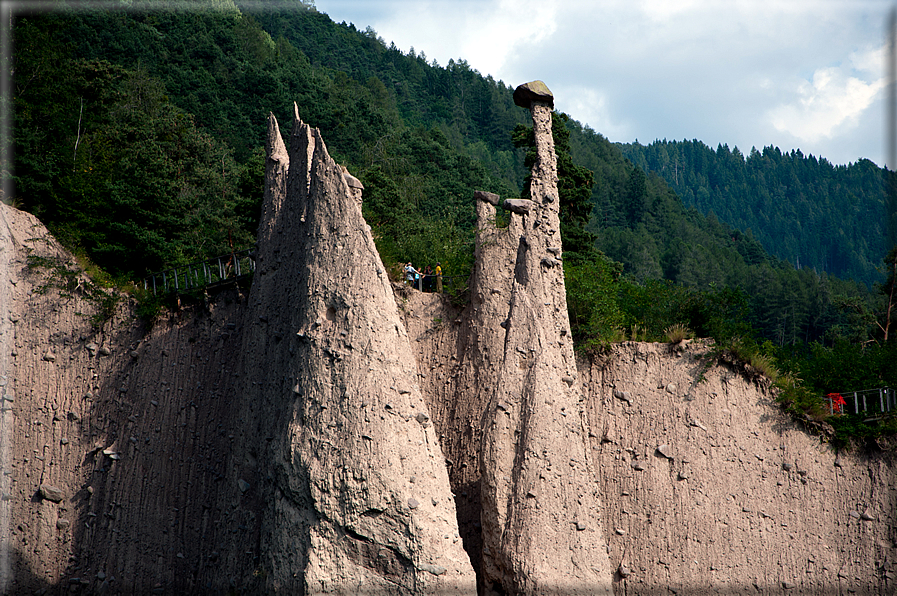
{"points": [[677, 332]]}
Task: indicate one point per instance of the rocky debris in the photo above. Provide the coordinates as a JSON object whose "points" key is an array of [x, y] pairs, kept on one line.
{"points": [[434, 569], [51, 493], [623, 395], [341, 513], [697, 424]]}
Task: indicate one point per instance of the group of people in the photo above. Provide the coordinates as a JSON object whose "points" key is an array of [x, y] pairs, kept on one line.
{"points": [[425, 280]]}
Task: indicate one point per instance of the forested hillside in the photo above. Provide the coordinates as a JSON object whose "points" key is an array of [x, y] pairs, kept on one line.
{"points": [[802, 209], [139, 135]]}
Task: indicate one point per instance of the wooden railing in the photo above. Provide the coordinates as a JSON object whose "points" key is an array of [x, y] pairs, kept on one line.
{"points": [[869, 401], [202, 274]]}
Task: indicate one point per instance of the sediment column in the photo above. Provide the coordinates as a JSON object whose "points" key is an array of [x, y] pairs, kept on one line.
{"points": [[541, 516]]}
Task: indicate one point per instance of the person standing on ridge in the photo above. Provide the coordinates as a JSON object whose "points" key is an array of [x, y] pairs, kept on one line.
{"points": [[410, 273], [438, 278], [427, 279]]}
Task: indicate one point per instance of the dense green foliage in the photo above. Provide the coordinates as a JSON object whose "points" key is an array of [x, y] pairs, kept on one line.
{"points": [[139, 140], [644, 225], [112, 166], [802, 209], [169, 161]]}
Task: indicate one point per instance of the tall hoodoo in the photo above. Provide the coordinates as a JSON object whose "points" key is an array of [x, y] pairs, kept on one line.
{"points": [[358, 493], [542, 531]]}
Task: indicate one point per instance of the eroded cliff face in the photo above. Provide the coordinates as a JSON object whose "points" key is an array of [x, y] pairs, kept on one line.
{"points": [[328, 432], [119, 470], [269, 442], [711, 488]]}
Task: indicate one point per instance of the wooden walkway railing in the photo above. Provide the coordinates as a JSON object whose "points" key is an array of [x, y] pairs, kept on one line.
{"points": [[869, 401], [239, 264], [202, 274]]}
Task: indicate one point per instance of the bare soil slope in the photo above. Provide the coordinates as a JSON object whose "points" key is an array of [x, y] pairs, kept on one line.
{"points": [[119, 469], [711, 488]]}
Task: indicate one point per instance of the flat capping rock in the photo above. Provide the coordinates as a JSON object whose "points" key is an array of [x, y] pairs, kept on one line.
{"points": [[534, 91], [487, 197], [520, 206]]}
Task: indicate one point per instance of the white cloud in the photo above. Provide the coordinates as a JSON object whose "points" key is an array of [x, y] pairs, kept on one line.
{"points": [[484, 33], [829, 104], [591, 107], [510, 23], [792, 73]]}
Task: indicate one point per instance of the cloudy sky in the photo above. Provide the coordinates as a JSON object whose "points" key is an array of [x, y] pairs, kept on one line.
{"points": [[804, 74]]}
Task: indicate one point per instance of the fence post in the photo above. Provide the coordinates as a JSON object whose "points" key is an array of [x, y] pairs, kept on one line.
{"points": [[856, 403], [881, 401], [831, 406]]}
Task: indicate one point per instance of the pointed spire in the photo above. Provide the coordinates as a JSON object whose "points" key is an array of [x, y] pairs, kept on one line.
{"points": [[275, 149]]}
